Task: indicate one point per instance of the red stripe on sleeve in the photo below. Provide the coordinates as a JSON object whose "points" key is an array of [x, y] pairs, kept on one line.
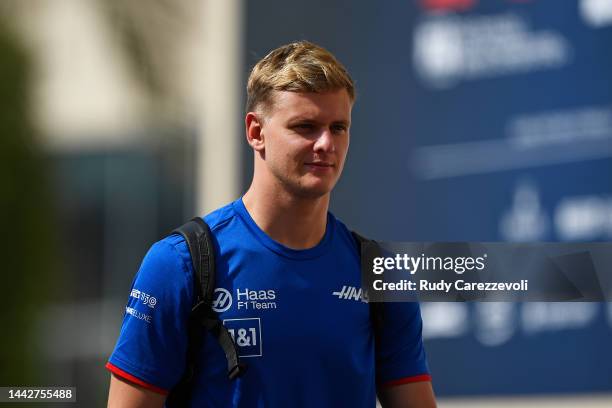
{"points": [[407, 380], [127, 376]]}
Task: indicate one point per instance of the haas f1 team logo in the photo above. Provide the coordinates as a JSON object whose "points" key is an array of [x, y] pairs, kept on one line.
{"points": [[222, 300], [349, 293]]}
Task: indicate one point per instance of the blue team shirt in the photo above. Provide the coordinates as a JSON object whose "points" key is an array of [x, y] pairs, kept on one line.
{"points": [[296, 316]]}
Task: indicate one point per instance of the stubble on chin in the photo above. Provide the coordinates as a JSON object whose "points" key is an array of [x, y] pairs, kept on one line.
{"points": [[300, 188]]}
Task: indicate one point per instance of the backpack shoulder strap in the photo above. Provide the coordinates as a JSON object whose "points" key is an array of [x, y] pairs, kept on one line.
{"points": [[199, 241], [371, 248], [198, 238]]}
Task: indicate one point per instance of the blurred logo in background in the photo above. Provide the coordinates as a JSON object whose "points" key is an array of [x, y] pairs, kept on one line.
{"points": [[596, 13], [449, 49], [526, 220]]}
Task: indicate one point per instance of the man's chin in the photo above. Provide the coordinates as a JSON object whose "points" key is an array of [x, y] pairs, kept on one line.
{"points": [[313, 191], [308, 187]]}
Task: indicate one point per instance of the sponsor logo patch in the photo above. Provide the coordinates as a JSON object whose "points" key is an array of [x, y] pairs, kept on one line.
{"points": [[222, 300], [349, 293], [146, 299], [246, 334]]}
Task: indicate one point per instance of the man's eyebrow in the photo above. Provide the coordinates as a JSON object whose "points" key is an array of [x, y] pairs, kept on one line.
{"points": [[342, 122], [305, 118], [301, 118]]}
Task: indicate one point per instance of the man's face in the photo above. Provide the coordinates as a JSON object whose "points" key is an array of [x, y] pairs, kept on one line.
{"points": [[306, 138]]}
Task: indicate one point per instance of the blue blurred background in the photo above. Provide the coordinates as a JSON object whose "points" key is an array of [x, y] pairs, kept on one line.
{"points": [[475, 120]]}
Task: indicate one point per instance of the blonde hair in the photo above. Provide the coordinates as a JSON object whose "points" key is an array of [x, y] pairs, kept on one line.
{"points": [[297, 67]]}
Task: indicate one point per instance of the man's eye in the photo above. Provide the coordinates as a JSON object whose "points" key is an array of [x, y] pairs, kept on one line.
{"points": [[304, 126], [339, 128]]}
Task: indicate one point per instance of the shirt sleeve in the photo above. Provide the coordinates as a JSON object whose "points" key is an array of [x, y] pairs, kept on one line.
{"points": [[400, 355], [152, 343]]}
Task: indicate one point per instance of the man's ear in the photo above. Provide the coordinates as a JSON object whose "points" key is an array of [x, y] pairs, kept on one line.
{"points": [[254, 131]]}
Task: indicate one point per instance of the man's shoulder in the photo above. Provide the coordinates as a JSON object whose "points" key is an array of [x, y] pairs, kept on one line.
{"points": [[220, 217], [172, 252], [174, 244]]}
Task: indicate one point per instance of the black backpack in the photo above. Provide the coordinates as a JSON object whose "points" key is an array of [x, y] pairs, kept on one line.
{"points": [[198, 237]]}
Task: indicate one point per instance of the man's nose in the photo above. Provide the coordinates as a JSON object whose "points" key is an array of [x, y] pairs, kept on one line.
{"points": [[325, 142]]}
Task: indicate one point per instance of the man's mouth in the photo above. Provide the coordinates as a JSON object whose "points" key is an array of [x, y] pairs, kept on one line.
{"points": [[320, 164], [319, 167]]}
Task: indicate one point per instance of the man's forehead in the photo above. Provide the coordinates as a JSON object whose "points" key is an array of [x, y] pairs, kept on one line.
{"points": [[310, 105]]}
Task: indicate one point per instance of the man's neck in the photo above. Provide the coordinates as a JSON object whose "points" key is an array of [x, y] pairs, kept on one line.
{"points": [[296, 222]]}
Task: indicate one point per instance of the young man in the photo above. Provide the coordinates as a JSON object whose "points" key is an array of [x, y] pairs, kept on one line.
{"points": [[284, 264]]}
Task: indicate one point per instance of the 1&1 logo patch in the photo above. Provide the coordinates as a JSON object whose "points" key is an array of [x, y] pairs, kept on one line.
{"points": [[246, 334]]}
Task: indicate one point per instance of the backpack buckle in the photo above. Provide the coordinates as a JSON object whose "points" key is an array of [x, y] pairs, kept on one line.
{"points": [[237, 371]]}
